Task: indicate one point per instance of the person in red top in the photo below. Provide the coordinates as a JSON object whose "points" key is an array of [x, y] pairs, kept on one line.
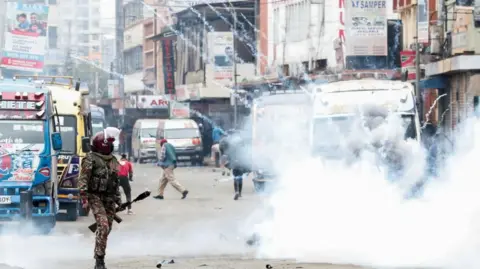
{"points": [[125, 173]]}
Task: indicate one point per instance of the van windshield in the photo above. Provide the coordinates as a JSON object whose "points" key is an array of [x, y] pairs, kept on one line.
{"points": [[148, 132], [181, 133]]}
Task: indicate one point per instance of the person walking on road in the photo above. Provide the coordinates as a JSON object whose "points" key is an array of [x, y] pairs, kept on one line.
{"points": [[125, 173], [168, 161], [99, 187], [234, 147]]}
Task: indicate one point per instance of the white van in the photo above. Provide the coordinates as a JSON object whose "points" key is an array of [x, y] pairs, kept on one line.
{"points": [[143, 139], [185, 136]]}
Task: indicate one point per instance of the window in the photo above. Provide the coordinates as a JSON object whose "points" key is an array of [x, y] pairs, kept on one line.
{"points": [[276, 27], [52, 37], [464, 3], [134, 60], [96, 48], [83, 25], [95, 37], [96, 24], [52, 2], [83, 38], [133, 13], [297, 22]]}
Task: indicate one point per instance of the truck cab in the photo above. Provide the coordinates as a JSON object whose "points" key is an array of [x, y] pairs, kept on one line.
{"points": [[340, 105], [29, 144], [75, 128]]}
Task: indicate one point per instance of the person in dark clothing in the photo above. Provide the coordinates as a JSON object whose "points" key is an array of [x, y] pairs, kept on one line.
{"points": [[125, 173], [234, 148], [99, 190]]}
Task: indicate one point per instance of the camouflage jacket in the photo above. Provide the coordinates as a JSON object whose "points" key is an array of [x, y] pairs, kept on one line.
{"points": [[99, 175]]}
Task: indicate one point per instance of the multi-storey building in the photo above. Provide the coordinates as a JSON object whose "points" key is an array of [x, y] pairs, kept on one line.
{"points": [[453, 72], [303, 35], [138, 49], [81, 30]]}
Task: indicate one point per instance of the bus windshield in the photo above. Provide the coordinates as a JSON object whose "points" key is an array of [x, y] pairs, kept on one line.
{"points": [[148, 132], [68, 130], [181, 133], [17, 135], [97, 126]]}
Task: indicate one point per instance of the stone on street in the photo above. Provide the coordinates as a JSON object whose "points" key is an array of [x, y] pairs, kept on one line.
{"points": [[208, 229]]}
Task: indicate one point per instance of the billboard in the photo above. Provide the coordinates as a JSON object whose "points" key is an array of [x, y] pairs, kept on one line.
{"points": [[179, 110], [366, 28], [168, 66], [25, 37], [423, 21], [152, 102], [223, 55]]}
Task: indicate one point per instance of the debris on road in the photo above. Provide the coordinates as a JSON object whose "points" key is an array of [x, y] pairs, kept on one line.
{"points": [[159, 264], [254, 240]]}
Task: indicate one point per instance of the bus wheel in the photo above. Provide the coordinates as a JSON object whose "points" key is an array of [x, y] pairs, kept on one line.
{"points": [[45, 226], [72, 212]]}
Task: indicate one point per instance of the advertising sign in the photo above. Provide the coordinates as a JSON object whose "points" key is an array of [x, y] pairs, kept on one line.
{"points": [[152, 102], [366, 28], [408, 63], [180, 110], [25, 37], [113, 87], [423, 21], [223, 55], [168, 66]]}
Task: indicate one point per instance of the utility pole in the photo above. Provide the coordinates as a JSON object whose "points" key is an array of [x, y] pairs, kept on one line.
{"points": [[417, 67], [68, 51], [155, 51], [235, 85], [120, 21]]}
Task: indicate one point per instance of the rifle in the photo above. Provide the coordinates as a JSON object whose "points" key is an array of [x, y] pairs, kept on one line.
{"points": [[120, 208]]}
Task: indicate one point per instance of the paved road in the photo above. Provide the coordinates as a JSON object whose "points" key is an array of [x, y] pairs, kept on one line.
{"points": [[207, 224]]}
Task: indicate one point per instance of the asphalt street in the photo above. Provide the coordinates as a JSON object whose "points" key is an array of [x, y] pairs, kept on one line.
{"points": [[206, 230]]}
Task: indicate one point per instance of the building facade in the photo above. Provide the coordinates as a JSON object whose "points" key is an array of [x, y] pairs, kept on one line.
{"points": [[299, 36], [453, 73]]}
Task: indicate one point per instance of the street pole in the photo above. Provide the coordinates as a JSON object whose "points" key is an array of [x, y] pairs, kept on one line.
{"points": [[417, 66], [155, 51], [120, 20], [235, 109]]}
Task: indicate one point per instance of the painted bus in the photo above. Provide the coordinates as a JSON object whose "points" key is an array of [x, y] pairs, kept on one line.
{"points": [[29, 144]]}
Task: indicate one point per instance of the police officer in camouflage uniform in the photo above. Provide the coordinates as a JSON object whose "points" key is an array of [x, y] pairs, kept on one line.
{"points": [[99, 190]]}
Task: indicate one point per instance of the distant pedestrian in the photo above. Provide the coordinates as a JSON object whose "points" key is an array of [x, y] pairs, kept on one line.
{"points": [[125, 173], [168, 161]]}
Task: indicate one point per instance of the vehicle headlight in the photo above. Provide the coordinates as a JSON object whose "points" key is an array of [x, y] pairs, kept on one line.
{"points": [[39, 190]]}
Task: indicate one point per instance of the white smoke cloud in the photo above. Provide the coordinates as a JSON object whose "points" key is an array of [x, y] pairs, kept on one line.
{"points": [[330, 211]]}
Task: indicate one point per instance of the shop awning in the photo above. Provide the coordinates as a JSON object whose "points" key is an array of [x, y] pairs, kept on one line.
{"points": [[436, 82]]}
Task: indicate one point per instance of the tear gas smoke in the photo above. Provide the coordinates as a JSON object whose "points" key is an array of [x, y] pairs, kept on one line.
{"points": [[356, 211]]}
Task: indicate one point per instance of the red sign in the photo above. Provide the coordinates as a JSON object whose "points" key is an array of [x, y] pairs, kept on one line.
{"points": [[20, 105], [408, 63]]}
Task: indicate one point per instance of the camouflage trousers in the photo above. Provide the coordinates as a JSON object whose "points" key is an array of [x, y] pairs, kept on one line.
{"points": [[103, 208]]}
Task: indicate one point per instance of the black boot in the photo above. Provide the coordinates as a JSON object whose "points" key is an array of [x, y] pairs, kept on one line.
{"points": [[236, 188], [100, 263]]}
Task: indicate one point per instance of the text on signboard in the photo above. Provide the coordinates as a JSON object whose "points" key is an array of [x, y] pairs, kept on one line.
{"points": [[27, 105]]}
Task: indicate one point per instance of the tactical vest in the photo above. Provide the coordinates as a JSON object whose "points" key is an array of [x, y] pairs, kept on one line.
{"points": [[104, 177]]}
